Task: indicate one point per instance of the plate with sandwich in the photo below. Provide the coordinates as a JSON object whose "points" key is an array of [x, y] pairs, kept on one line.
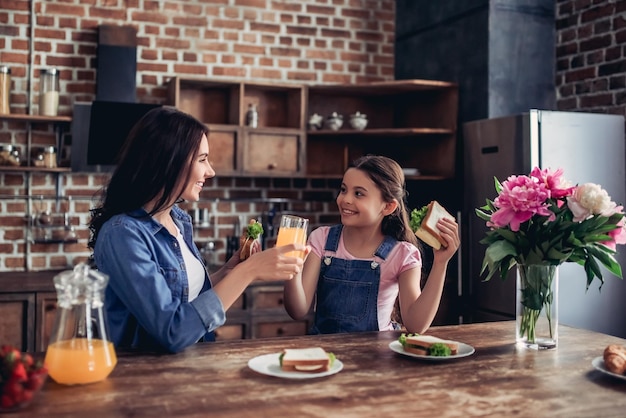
{"points": [[429, 347], [297, 363], [424, 223]]}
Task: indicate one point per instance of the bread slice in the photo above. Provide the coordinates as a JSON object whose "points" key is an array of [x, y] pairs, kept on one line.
{"points": [[419, 344], [428, 231], [310, 360]]}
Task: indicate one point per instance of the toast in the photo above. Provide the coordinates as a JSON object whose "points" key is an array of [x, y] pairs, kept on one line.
{"points": [[308, 360], [427, 230]]}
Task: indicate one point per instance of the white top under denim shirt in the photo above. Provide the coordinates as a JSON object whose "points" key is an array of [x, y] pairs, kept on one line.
{"points": [[147, 296]]}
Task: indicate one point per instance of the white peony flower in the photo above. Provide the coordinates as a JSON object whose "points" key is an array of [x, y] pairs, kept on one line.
{"points": [[590, 199]]}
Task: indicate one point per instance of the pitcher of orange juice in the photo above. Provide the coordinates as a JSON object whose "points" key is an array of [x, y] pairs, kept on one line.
{"points": [[79, 350]]}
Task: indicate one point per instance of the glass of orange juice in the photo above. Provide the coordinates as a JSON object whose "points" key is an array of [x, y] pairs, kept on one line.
{"points": [[292, 230]]}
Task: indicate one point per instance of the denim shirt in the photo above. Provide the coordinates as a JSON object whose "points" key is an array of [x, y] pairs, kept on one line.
{"points": [[146, 299]]}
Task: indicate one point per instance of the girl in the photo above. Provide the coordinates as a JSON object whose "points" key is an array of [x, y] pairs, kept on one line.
{"points": [[160, 296], [357, 270]]}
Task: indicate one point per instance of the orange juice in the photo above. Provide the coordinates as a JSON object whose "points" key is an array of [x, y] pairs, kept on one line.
{"points": [[290, 235], [80, 360]]}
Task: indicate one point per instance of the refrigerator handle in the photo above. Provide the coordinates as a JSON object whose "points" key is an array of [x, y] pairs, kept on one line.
{"points": [[459, 271], [490, 150]]}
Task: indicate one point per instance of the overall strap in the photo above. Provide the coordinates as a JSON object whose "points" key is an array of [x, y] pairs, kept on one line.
{"points": [[332, 241], [385, 247]]}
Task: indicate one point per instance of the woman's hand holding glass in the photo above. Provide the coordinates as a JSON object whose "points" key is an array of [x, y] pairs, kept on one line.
{"points": [[277, 263]]}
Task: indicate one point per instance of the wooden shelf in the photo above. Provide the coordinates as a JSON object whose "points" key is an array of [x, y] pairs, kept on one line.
{"points": [[36, 118], [383, 87], [381, 132], [30, 169]]}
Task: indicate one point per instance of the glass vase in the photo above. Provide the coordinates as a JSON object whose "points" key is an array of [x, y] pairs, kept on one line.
{"points": [[537, 315]]}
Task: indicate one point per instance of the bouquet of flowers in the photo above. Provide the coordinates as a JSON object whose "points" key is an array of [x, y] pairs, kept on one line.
{"points": [[542, 220]]}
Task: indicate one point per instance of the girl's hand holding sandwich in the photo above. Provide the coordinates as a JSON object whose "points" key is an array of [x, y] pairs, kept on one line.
{"points": [[449, 231]]}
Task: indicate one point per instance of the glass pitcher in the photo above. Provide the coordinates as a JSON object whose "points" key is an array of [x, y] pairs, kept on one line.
{"points": [[79, 350]]}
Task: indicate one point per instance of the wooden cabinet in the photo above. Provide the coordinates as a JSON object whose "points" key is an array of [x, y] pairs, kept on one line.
{"points": [[274, 147], [45, 314], [17, 320], [260, 313], [412, 121]]}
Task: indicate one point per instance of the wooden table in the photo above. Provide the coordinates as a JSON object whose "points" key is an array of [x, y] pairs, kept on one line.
{"points": [[498, 380]]}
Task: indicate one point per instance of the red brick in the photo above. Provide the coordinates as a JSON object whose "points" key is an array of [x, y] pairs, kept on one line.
{"points": [[249, 49], [231, 72]]}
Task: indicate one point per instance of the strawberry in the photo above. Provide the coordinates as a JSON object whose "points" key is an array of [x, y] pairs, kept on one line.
{"points": [[34, 381], [28, 361], [6, 401], [19, 372], [27, 395], [14, 390]]}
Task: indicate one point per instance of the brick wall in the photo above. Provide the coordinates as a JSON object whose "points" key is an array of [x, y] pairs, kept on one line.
{"points": [[300, 41], [591, 55], [304, 41]]}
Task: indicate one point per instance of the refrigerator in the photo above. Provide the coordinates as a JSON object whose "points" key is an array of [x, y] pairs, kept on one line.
{"points": [[589, 147]]}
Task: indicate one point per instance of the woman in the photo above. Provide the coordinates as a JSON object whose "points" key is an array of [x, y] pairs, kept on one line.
{"points": [[160, 296]]}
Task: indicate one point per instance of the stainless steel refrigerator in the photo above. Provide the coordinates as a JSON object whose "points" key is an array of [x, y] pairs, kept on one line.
{"points": [[590, 148]]}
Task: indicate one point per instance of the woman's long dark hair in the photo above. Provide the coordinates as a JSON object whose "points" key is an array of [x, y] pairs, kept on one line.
{"points": [[155, 159], [389, 178]]}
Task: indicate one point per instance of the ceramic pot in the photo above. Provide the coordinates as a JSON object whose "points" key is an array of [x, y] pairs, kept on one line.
{"points": [[358, 121], [315, 122], [334, 121]]}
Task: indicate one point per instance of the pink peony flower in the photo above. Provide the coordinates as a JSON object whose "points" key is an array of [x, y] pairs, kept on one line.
{"points": [[618, 236], [519, 200], [553, 181]]}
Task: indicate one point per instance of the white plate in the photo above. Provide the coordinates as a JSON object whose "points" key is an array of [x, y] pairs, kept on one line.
{"points": [[269, 364], [463, 351], [598, 363]]}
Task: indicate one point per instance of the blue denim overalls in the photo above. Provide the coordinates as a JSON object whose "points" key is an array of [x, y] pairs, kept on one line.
{"points": [[347, 290]]}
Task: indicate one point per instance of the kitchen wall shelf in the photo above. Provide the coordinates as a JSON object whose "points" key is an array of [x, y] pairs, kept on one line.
{"points": [[411, 121], [274, 147], [27, 170]]}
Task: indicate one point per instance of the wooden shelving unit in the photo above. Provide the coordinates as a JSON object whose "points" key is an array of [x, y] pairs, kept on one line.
{"points": [[411, 121]]}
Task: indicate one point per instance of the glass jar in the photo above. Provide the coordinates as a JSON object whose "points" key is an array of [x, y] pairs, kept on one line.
{"points": [[5, 89], [49, 92], [37, 157], [252, 116], [9, 155], [50, 157], [79, 350]]}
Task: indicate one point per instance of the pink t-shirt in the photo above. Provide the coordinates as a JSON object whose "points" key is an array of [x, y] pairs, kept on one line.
{"points": [[404, 256]]}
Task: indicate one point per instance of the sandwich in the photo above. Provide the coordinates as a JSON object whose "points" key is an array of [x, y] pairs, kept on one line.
{"points": [[424, 224], [250, 233], [307, 360], [428, 345]]}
